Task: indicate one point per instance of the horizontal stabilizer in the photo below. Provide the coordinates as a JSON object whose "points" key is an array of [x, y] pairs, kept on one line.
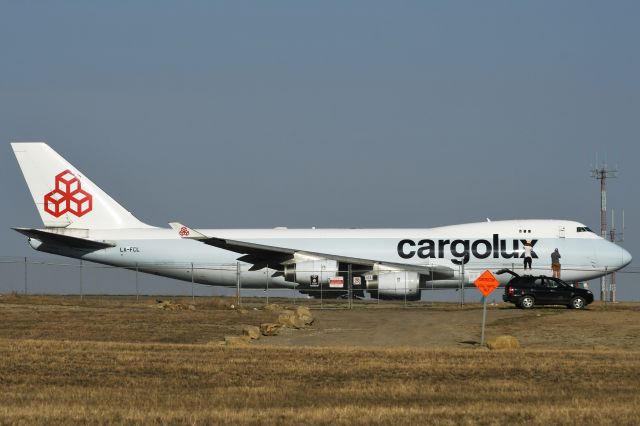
{"points": [[63, 240]]}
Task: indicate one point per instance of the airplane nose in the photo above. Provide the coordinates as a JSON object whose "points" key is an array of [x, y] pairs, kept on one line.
{"points": [[626, 257]]}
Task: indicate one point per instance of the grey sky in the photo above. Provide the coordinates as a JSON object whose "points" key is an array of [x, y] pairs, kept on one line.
{"points": [[366, 114]]}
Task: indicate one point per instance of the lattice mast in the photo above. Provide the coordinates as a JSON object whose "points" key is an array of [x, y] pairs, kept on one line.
{"points": [[602, 174], [615, 237]]}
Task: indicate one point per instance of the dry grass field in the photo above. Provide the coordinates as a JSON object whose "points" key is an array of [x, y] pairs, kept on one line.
{"points": [[115, 360]]}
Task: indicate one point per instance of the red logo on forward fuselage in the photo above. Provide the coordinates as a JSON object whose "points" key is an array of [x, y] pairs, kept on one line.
{"points": [[68, 196]]}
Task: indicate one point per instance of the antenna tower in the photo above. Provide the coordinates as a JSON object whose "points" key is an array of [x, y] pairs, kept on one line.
{"points": [[615, 237], [602, 174]]}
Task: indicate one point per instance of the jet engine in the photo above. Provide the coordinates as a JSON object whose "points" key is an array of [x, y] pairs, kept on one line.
{"points": [[318, 278], [394, 285], [311, 273]]}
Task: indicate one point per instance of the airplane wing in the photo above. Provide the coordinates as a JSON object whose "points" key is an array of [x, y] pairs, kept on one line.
{"points": [[54, 238], [261, 255]]}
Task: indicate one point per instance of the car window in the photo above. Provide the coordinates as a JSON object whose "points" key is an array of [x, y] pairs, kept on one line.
{"points": [[539, 282], [518, 282], [551, 283], [560, 284]]}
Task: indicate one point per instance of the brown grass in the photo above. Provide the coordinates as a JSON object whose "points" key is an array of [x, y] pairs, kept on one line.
{"points": [[114, 362], [66, 382], [121, 319]]}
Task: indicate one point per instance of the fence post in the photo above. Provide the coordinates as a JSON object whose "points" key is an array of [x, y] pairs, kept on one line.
{"points": [[603, 286], [238, 283], [350, 286], [137, 291], [81, 284], [462, 281], [320, 282], [432, 288], [459, 292], [193, 296], [26, 289], [268, 284], [406, 276]]}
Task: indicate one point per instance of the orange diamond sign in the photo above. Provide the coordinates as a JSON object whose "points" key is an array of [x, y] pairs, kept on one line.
{"points": [[486, 283]]}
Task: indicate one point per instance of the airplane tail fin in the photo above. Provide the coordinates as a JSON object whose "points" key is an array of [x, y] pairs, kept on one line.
{"points": [[66, 198]]}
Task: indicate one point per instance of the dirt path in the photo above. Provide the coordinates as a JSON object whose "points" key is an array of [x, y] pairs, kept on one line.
{"points": [[615, 327], [424, 326]]}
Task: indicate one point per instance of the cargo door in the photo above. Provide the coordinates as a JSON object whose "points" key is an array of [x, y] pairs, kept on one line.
{"points": [[562, 232]]}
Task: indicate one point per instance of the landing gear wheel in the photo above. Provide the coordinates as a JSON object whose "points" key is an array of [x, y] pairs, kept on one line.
{"points": [[527, 302]]}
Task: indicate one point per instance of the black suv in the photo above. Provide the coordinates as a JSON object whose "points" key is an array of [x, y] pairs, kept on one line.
{"points": [[527, 291]]}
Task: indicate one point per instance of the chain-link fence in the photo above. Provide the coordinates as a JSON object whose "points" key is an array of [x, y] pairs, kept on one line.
{"points": [[320, 288]]}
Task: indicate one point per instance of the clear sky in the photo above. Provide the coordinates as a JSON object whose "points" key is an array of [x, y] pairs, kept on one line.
{"points": [[328, 114]]}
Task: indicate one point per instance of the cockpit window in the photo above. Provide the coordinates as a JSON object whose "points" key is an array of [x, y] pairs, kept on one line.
{"points": [[583, 229]]}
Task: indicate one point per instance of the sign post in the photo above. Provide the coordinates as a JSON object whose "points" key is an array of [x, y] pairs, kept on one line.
{"points": [[486, 283]]}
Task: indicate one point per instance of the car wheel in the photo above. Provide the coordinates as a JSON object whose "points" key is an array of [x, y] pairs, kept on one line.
{"points": [[527, 302], [577, 303]]}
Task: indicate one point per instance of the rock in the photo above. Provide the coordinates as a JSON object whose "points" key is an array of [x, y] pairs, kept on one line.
{"points": [[285, 312], [192, 307], [305, 315], [272, 307], [284, 317], [170, 306], [162, 304], [236, 340], [252, 332], [290, 319], [269, 329], [299, 318], [298, 322], [503, 342]]}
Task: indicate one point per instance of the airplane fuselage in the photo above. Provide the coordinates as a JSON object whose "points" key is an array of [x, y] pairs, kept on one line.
{"points": [[467, 249]]}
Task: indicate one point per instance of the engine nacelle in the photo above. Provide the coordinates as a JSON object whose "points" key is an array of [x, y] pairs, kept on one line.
{"points": [[395, 285], [311, 273]]}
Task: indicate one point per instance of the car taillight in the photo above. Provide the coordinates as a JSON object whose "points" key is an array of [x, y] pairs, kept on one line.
{"points": [[511, 291]]}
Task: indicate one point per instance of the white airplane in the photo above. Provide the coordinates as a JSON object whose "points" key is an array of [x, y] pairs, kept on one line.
{"points": [[83, 222]]}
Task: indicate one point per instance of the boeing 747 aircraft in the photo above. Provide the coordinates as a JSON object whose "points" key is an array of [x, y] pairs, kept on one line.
{"points": [[83, 222]]}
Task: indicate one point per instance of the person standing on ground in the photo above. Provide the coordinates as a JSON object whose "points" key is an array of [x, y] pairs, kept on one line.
{"points": [[555, 263], [527, 255]]}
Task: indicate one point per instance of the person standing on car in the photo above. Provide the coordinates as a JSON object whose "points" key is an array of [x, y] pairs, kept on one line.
{"points": [[527, 255], [555, 263]]}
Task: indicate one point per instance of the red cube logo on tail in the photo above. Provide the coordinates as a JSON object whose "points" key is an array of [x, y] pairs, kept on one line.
{"points": [[68, 196]]}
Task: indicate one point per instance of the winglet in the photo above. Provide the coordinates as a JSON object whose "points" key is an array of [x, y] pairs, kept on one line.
{"points": [[186, 232]]}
